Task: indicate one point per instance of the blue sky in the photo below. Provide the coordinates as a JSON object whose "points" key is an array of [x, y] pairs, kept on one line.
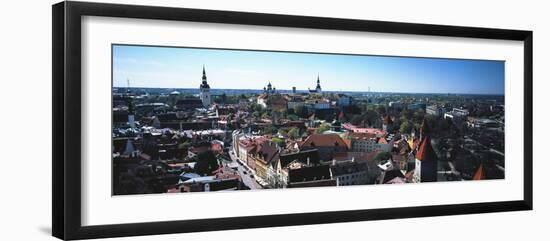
{"points": [[169, 67]]}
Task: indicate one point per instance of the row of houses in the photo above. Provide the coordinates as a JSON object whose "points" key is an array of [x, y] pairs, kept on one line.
{"points": [[319, 160], [291, 101]]}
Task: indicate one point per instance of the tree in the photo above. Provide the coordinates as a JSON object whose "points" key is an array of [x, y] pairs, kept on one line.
{"points": [[407, 114], [405, 127], [256, 107], [270, 129], [206, 163], [185, 145], [356, 119], [293, 133], [322, 128], [276, 140], [256, 114], [293, 117], [418, 115], [381, 109]]}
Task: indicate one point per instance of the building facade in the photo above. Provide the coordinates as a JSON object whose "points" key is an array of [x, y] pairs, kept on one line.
{"points": [[425, 163]]}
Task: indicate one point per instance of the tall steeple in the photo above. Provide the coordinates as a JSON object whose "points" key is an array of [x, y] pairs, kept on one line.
{"points": [[318, 87], [205, 89], [204, 84], [131, 112]]}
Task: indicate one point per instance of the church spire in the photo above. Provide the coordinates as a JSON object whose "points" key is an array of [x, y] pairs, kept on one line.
{"points": [[424, 129], [204, 84], [318, 87]]}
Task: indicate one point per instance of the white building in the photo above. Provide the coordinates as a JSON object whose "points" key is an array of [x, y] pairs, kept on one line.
{"points": [[294, 102], [318, 104], [350, 173], [344, 100], [262, 100], [456, 114], [370, 145], [434, 110]]}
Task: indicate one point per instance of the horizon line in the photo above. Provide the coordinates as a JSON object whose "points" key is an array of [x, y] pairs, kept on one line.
{"points": [[306, 90]]}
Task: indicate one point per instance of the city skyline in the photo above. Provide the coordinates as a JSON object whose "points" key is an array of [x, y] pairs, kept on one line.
{"points": [[174, 67]]}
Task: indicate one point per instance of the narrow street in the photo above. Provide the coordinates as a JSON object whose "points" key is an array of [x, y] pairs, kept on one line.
{"points": [[243, 172]]}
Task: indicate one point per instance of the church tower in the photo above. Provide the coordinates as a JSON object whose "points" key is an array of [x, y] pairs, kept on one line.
{"points": [[131, 118], [205, 90], [426, 162], [318, 87], [387, 124]]}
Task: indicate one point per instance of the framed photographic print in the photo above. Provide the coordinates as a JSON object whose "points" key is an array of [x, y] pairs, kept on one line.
{"points": [[170, 120]]}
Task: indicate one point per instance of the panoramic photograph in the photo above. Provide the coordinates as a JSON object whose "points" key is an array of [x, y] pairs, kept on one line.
{"points": [[202, 120]]}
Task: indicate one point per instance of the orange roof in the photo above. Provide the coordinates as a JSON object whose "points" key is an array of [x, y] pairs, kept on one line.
{"points": [[426, 151], [324, 140], [480, 174], [348, 143]]}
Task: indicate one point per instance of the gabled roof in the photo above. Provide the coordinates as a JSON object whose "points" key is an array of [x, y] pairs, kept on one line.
{"points": [[323, 140], [426, 151], [269, 153]]}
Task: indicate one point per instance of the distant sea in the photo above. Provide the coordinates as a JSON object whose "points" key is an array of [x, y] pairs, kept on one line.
{"points": [[196, 91]]}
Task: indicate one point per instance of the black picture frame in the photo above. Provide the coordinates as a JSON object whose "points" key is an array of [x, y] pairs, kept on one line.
{"points": [[66, 158]]}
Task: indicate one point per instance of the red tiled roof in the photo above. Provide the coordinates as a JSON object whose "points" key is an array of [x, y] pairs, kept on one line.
{"points": [[382, 141], [480, 174], [361, 135], [324, 140], [426, 151]]}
